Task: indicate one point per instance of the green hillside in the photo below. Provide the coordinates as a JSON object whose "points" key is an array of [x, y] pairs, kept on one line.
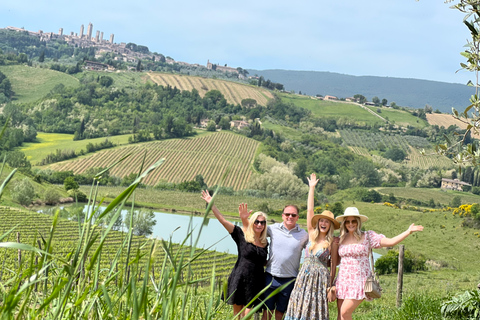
{"points": [[333, 109], [31, 84], [48, 143], [214, 156]]}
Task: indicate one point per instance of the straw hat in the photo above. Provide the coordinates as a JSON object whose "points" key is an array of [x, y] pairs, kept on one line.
{"points": [[325, 215], [352, 212]]}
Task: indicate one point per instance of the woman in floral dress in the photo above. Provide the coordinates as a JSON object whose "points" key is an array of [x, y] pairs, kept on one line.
{"points": [[309, 296], [354, 253]]}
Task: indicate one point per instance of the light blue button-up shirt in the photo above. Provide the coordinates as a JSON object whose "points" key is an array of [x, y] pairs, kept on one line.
{"points": [[285, 250]]}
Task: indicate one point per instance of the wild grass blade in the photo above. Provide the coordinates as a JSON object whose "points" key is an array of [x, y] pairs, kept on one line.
{"points": [[7, 180]]}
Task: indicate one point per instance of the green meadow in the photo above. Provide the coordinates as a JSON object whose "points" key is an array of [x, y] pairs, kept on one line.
{"points": [[443, 197], [48, 143], [332, 109], [399, 117], [31, 84], [121, 79], [291, 133]]}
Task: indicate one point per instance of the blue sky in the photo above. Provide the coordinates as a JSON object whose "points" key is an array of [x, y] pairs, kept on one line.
{"points": [[395, 38]]}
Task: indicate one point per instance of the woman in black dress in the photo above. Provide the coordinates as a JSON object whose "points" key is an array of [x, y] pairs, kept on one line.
{"points": [[247, 277]]}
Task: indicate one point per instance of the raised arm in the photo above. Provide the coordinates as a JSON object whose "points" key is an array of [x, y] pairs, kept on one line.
{"points": [[227, 224], [312, 182], [390, 242], [244, 214]]}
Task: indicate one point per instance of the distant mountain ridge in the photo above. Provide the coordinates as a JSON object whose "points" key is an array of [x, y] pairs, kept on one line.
{"points": [[404, 92]]}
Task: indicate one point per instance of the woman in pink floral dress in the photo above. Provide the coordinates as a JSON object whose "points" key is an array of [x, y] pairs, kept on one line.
{"points": [[354, 252]]}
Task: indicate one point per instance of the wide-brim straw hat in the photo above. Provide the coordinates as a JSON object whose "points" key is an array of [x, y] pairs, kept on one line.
{"points": [[351, 212], [325, 215]]}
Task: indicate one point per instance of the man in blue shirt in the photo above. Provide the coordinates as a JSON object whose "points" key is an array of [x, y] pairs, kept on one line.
{"points": [[287, 240]]}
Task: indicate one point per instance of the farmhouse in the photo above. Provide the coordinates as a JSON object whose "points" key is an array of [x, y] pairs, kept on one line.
{"points": [[453, 184], [238, 124], [204, 123], [92, 65], [330, 98]]}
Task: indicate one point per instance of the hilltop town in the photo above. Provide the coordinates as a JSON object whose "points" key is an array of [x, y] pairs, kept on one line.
{"points": [[122, 51]]}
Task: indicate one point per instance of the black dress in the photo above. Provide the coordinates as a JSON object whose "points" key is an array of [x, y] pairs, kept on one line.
{"points": [[248, 277]]}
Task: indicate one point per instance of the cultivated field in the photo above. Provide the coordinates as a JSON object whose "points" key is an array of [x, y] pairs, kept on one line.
{"points": [[49, 142], [233, 92], [447, 120], [30, 84], [363, 142], [212, 156], [32, 225]]}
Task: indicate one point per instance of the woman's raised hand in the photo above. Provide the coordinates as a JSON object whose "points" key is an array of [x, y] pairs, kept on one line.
{"points": [[413, 228], [243, 211], [312, 180], [206, 196]]}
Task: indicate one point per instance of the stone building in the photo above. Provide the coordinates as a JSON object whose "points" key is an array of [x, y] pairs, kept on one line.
{"points": [[453, 184]]}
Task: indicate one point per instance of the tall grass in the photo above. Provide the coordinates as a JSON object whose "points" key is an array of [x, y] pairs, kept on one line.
{"points": [[49, 285]]}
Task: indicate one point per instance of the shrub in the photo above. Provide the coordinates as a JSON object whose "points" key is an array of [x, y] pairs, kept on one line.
{"points": [[389, 262], [462, 306], [51, 196], [476, 190], [337, 209], [23, 192], [77, 195], [70, 183], [371, 196], [456, 202]]}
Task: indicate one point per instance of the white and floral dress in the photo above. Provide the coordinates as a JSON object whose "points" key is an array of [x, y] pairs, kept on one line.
{"points": [[308, 300], [355, 266]]}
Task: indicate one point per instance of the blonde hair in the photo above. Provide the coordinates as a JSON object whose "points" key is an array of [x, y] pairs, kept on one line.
{"points": [[357, 234], [315, 233], [250, 234]]}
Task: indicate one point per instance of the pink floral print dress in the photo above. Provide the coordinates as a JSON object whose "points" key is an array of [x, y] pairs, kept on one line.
{"points": [[355, 266]]}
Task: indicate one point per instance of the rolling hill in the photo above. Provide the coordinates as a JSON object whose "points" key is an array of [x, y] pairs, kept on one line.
{"points": [[30, 84], [213, 156], [234, 92], [413, 93]]}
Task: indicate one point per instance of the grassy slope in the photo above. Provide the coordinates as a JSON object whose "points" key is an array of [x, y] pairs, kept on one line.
{"points": [[400, 117], [212, 155], [233, 92], [121, 79], [49, 142], [332, 109], [6, 198], [424, 194], [30, 84]]}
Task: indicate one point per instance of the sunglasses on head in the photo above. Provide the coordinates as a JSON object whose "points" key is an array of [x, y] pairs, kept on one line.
{"points": [[263, 222], [294, 215]]}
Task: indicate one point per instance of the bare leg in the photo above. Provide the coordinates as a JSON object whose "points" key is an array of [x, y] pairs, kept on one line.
{"points": [[348, 307], [339, 307], [278, 315], [236, 311], [267, 315]]}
